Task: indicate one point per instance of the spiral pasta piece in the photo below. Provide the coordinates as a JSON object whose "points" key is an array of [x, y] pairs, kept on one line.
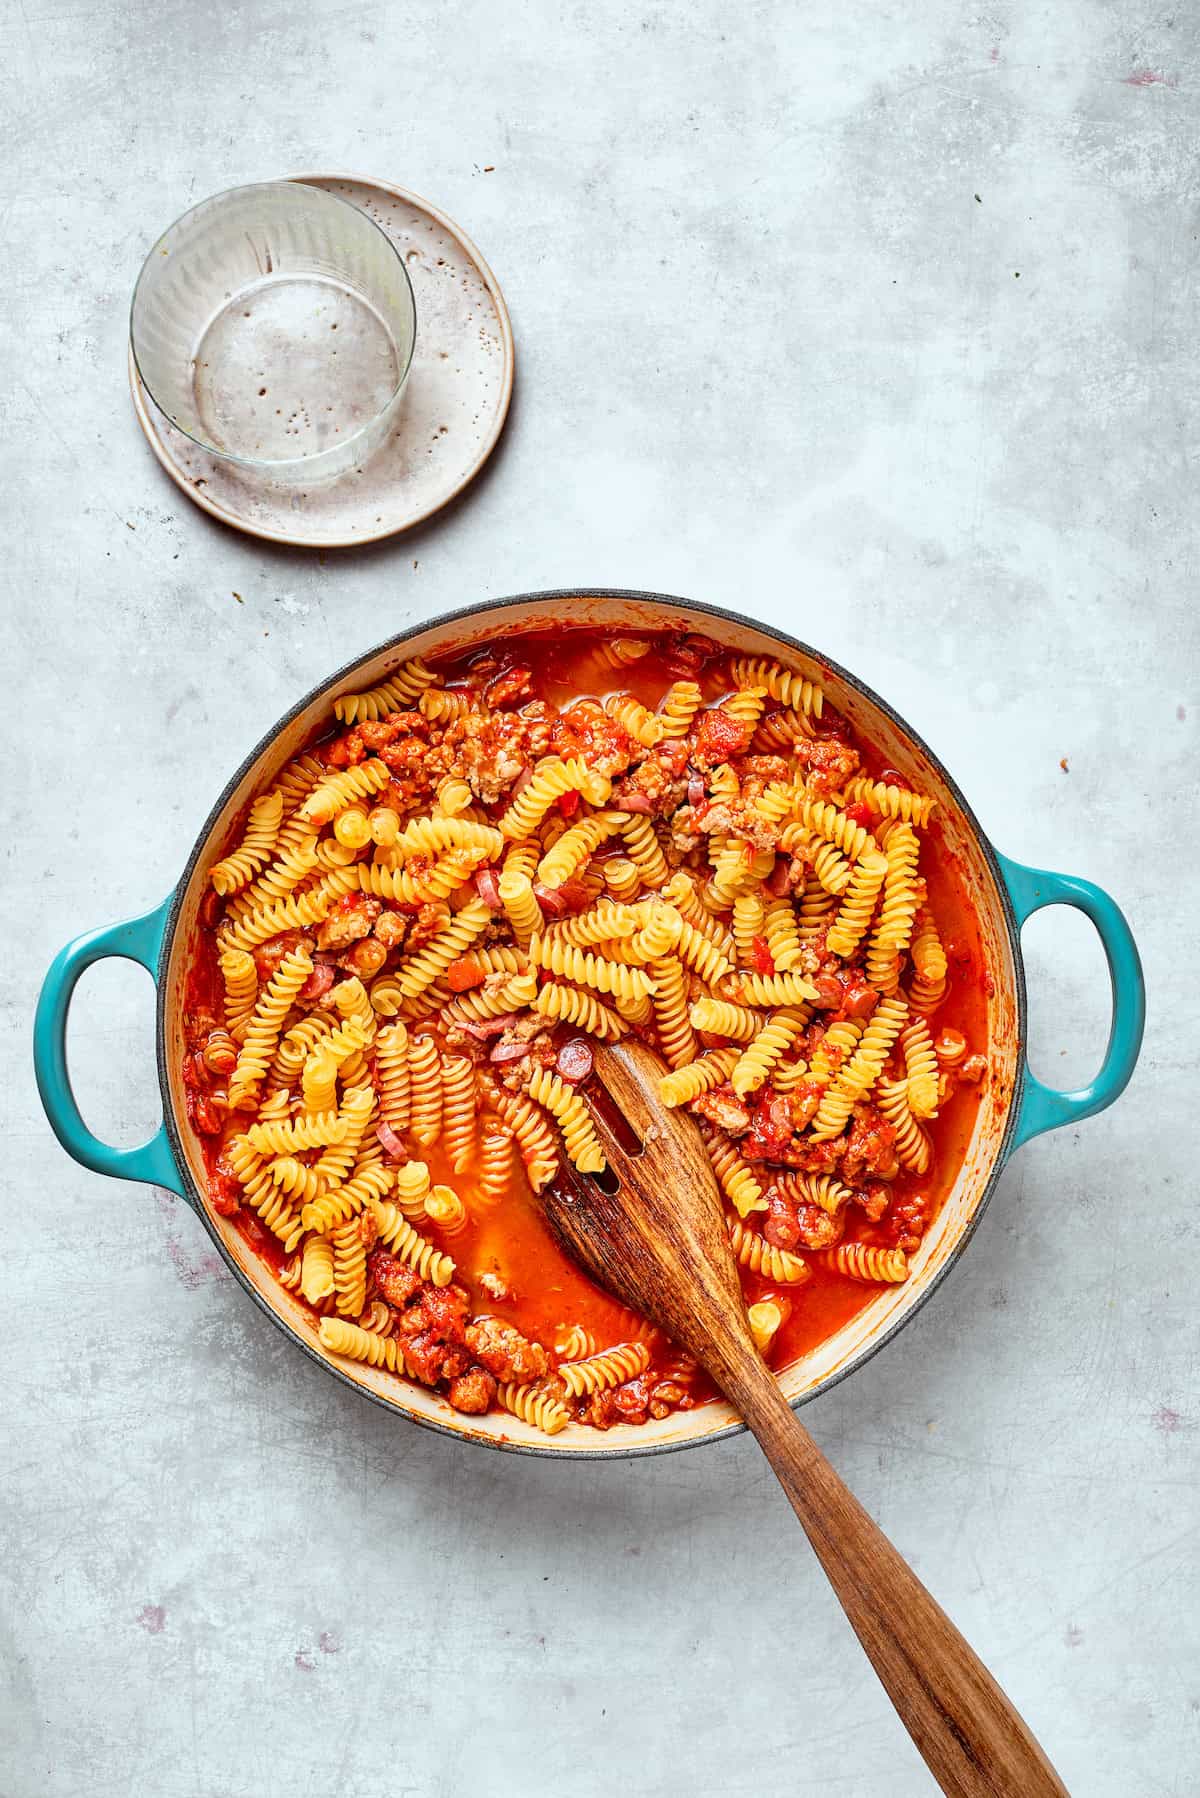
{"points": [[765, 1320], [586, 969], [551, 778], [680, 890], [261, 1194], [434, 836], [316, 1269], [839, 1041], [780, 683], [570, 1005], [255, 849], [277, 880], [739, 866], [510, 993], [351, 1003], [768, 990], [392, 1077], [297, 780], [413, 1186], [385, 826], [860, 1073], [297, 912], [920, 1068], [829, 821], [533, 1136], [642, 724], [754, 1064], [349, 1268], [749, 918], [618, 652], [621, 877], [395, 694], [779, 733], [261, 1032], [454, 797], [611, 1368], [682, 1085], [860, 1261], [398, 1235], [419, 886], [605, 923], [752, 1251], [350, 1342], [817, 910], [737, 1178], [658, 935], [783, 936], [444, 1208], [286, 1137], [574, 1343], [636, 1011], [220, 1052], [676, 1037], [536, 1407], [422, 969], [276, 1105], [501, 958], [297, 1180], [458, 1110], [516, 890], [776, 802], [745, 707], [240, 977], [497, 1155], [442, 705], [721, 1017], [356, 1110], [644, 849], [950, 1047], [927, 988], [889, 801], [897, 910], [698, 951], [319, 1077], [425, 1078], [854, 915], [335, 1207], [351, 829], [341, 789], [912, 1145], [829, 866], [815, 1189], [573, 1118], [680, 704]]}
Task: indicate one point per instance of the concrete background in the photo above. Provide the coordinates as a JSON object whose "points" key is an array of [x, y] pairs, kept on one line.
{"points": [[880, 322]]}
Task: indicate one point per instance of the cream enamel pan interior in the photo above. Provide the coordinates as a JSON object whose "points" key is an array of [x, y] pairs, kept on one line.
{"points": [[961, 835]]}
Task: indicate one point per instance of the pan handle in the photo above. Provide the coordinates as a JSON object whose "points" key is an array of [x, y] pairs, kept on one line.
{"points": [[140, 940], [1044, 1107]]}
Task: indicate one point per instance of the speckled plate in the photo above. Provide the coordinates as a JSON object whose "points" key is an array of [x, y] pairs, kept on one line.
{"points": [[450, 421]]}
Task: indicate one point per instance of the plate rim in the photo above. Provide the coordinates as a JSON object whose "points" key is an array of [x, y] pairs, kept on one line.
{"points": [[142, 404]]}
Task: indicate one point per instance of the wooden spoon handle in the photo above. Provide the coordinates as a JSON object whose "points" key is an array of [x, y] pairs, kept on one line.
{"points": [[973, 1741]]}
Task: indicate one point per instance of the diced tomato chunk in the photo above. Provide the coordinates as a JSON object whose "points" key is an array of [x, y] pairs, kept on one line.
{"points": [[761, 959]]}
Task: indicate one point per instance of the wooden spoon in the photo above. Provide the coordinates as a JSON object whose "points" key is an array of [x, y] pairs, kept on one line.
{"points": [[652, 1231]]}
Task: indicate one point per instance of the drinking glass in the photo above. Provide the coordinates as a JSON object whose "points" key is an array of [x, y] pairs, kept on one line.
{"points": [[274, 325]]}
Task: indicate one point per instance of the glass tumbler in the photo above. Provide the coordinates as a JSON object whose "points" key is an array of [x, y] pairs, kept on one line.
{"points": [[274, 325]]}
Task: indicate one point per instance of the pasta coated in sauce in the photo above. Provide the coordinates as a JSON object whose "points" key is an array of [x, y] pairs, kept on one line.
{"points": [[483, 867]]}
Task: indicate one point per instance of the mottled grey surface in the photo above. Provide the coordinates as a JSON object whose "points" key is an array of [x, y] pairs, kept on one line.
{"points": [[880, 322]]}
